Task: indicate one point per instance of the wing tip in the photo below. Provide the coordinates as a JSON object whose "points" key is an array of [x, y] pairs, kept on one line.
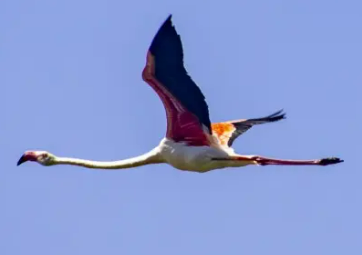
{"points": [[281, 114], [166, 28], [167, 22]]}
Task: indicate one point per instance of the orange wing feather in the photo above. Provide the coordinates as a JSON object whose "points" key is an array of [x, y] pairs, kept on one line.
{"points": [[228, 131], [223, 131]]}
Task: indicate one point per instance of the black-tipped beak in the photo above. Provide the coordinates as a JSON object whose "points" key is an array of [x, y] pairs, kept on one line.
{"points": [[28, 156], [22, 160]]}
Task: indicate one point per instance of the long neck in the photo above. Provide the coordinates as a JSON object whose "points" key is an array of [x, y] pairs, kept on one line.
{"points": [[151, 157]]}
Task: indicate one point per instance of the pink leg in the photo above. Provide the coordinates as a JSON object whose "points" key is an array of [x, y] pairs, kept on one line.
{"points": [[316, 162]]}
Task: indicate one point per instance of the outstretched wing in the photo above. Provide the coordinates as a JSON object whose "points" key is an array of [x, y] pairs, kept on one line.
{"points": [[228, 131], [186, 109]]}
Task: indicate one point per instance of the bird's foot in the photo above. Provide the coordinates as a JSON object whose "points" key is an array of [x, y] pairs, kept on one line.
{"points": [[330, 161]]}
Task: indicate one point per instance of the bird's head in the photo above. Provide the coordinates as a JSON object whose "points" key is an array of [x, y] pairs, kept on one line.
{"points": [[42, 157]]}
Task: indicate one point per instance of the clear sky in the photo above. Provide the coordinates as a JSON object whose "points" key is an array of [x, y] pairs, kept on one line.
{"points": [[71, 84]]}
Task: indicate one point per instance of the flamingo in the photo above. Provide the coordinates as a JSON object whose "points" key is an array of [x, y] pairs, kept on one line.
{"points": [[192, 142]]}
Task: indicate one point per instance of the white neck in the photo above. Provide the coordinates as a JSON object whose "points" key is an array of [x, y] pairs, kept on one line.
{"points": [[151, 157]]}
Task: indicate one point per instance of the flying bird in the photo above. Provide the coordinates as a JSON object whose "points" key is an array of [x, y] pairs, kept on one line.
{"points": [[192, 142]]}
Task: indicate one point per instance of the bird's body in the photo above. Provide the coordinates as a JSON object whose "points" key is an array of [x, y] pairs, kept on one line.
{"points": [[194, 158], [192, 142]]}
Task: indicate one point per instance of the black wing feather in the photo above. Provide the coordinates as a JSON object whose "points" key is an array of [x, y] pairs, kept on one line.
{"points": [[244, 125], [167, 51]]}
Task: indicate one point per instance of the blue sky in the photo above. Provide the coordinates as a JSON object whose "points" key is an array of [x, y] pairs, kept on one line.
{"points": [[71, 84]]}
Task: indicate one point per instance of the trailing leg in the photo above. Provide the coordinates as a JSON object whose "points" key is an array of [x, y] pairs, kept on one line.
{"points": [[263, 161]]}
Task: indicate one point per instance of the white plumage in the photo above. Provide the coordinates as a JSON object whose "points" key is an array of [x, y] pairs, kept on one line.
{"points": [[194, 158]]}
